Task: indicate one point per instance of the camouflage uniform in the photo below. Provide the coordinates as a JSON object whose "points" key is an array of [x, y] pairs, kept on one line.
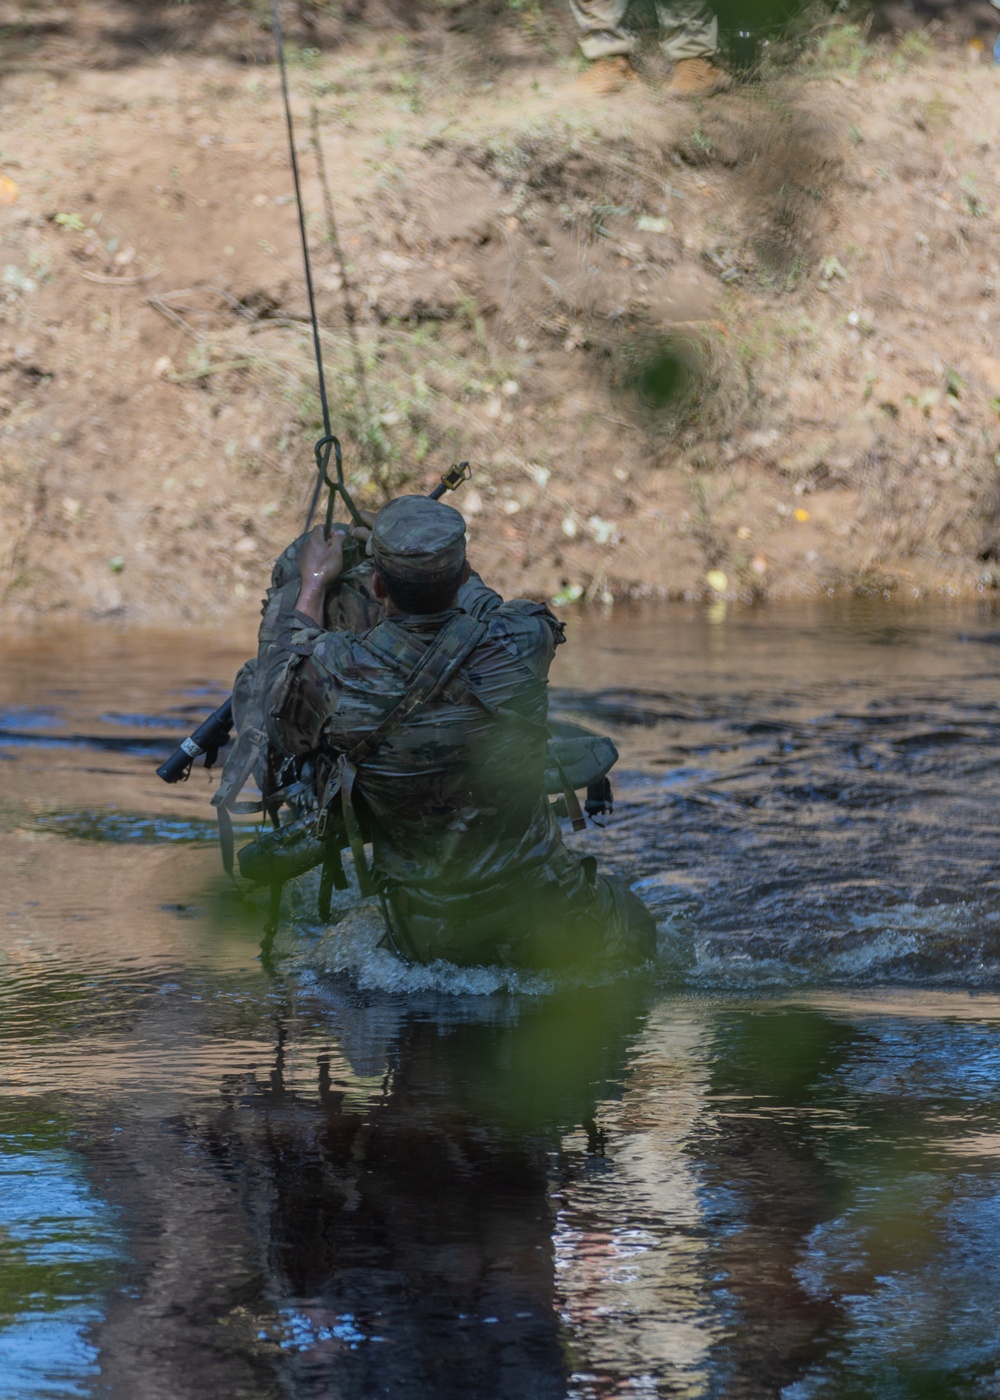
{"points": [[467, 853], [349, 607], [688, 29]]}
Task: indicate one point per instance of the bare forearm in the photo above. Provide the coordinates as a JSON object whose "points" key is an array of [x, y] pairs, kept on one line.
{"points": [[311, 600]]}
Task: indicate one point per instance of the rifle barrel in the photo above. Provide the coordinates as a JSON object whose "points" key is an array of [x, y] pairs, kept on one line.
{"points": [[212, 734]]}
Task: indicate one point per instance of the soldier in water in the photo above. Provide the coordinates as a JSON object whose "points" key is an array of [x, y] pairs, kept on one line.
{"points": [[689, 38], [431, 727]]}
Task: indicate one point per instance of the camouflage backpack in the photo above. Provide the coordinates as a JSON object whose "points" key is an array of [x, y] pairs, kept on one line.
{"points": [[577, 758], [349, 607]]}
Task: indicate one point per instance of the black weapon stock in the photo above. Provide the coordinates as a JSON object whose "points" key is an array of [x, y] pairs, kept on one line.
{"points": [[207, 739]]}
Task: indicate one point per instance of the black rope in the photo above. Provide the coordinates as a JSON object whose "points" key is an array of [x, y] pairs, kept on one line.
{"points": [[348, 297], [327, 443]]}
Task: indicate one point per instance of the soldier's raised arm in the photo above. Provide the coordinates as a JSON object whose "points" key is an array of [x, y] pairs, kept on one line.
{"points": [[298, 692], [529, 628]]}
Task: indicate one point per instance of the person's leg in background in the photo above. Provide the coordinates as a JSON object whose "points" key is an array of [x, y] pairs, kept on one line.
{"points": [[689, 37], [603, 28]]}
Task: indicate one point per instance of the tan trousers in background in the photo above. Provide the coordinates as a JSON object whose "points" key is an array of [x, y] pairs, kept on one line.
{"points": [[687, 28]]}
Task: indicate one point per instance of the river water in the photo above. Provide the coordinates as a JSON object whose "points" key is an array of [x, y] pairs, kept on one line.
{"points": [[767, 1166]]}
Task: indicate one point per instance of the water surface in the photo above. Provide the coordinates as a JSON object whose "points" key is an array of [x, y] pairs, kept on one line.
{"points": [[768, 1166]]}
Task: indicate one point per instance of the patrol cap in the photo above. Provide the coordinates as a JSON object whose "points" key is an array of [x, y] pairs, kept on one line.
{"points": [[417, 539]]}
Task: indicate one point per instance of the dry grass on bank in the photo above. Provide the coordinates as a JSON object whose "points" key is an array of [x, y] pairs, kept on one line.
{"points": [[754, 337]]}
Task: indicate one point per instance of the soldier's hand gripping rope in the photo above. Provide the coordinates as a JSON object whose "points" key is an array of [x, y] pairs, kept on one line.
{"points": [[215, 732]]}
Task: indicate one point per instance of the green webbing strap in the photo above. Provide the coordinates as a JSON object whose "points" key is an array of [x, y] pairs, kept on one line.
{"points": [[456, 641], [403, 654], [226, 842], [573, 810], [348, 773], [332, 877], [239, 766]]}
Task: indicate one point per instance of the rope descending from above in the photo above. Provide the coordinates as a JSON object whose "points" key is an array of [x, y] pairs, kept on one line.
{"points": [[348, 297], [328, 442]]}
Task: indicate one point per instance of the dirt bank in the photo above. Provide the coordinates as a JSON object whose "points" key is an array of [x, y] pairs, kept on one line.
{"points": [[754, 339]]}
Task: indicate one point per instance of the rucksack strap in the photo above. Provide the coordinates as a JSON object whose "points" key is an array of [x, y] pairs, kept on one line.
{"points": [[572, 801], [442, 659], [404, 653], [439, 663]]}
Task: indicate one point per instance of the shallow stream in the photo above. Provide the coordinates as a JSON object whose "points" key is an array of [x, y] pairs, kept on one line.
{"points": [[768, 1166]]}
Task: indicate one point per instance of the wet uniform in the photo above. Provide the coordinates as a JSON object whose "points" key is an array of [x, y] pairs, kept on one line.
{"points": [[466, 849]]}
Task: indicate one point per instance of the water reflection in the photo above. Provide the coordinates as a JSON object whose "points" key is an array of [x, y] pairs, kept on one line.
{"points": [[632, 1255], [605, 1192], [387, 1231], [214, 1182], [60, 1245], [851, 1249]]}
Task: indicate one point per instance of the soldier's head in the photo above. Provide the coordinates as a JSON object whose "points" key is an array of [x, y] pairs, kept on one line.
{"points": [[418, 547]]}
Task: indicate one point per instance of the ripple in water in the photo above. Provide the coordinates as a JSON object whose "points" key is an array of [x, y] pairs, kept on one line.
{"points": [[60, 1251]]}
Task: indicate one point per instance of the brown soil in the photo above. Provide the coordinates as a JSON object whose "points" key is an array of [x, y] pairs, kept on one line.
{"points": [[755, 337]]}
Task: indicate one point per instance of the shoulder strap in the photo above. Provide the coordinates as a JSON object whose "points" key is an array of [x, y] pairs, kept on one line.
{"points": [[442, 659], [402, 653], [453, 644]]}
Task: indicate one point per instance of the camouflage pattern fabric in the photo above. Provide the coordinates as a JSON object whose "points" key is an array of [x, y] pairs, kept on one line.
{"points": [[688, 29], [455, 794], [465, 846], [418, 538], [350, 607]]}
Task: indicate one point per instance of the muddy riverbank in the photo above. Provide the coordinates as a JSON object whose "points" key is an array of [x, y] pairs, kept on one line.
{"points": [[753, 339]]}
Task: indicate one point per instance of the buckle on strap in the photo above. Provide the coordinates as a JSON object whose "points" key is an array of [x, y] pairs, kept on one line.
{"points": [[330, 790]]}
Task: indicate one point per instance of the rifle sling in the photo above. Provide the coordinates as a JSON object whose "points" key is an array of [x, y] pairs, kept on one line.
{"points": [[226, 842], [573, 810], [458, 687], [406, 655], [439, 663]]}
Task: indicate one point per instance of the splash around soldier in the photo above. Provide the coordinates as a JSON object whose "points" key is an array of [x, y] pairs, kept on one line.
{"points": [[414, 699]]}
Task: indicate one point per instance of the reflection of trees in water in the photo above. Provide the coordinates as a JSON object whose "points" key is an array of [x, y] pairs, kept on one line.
{"points": [[447, 1222], [766, 1184], [413, 1221], [849, 1251], [451, 1231], [394, 1240], [630, 1250]]}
